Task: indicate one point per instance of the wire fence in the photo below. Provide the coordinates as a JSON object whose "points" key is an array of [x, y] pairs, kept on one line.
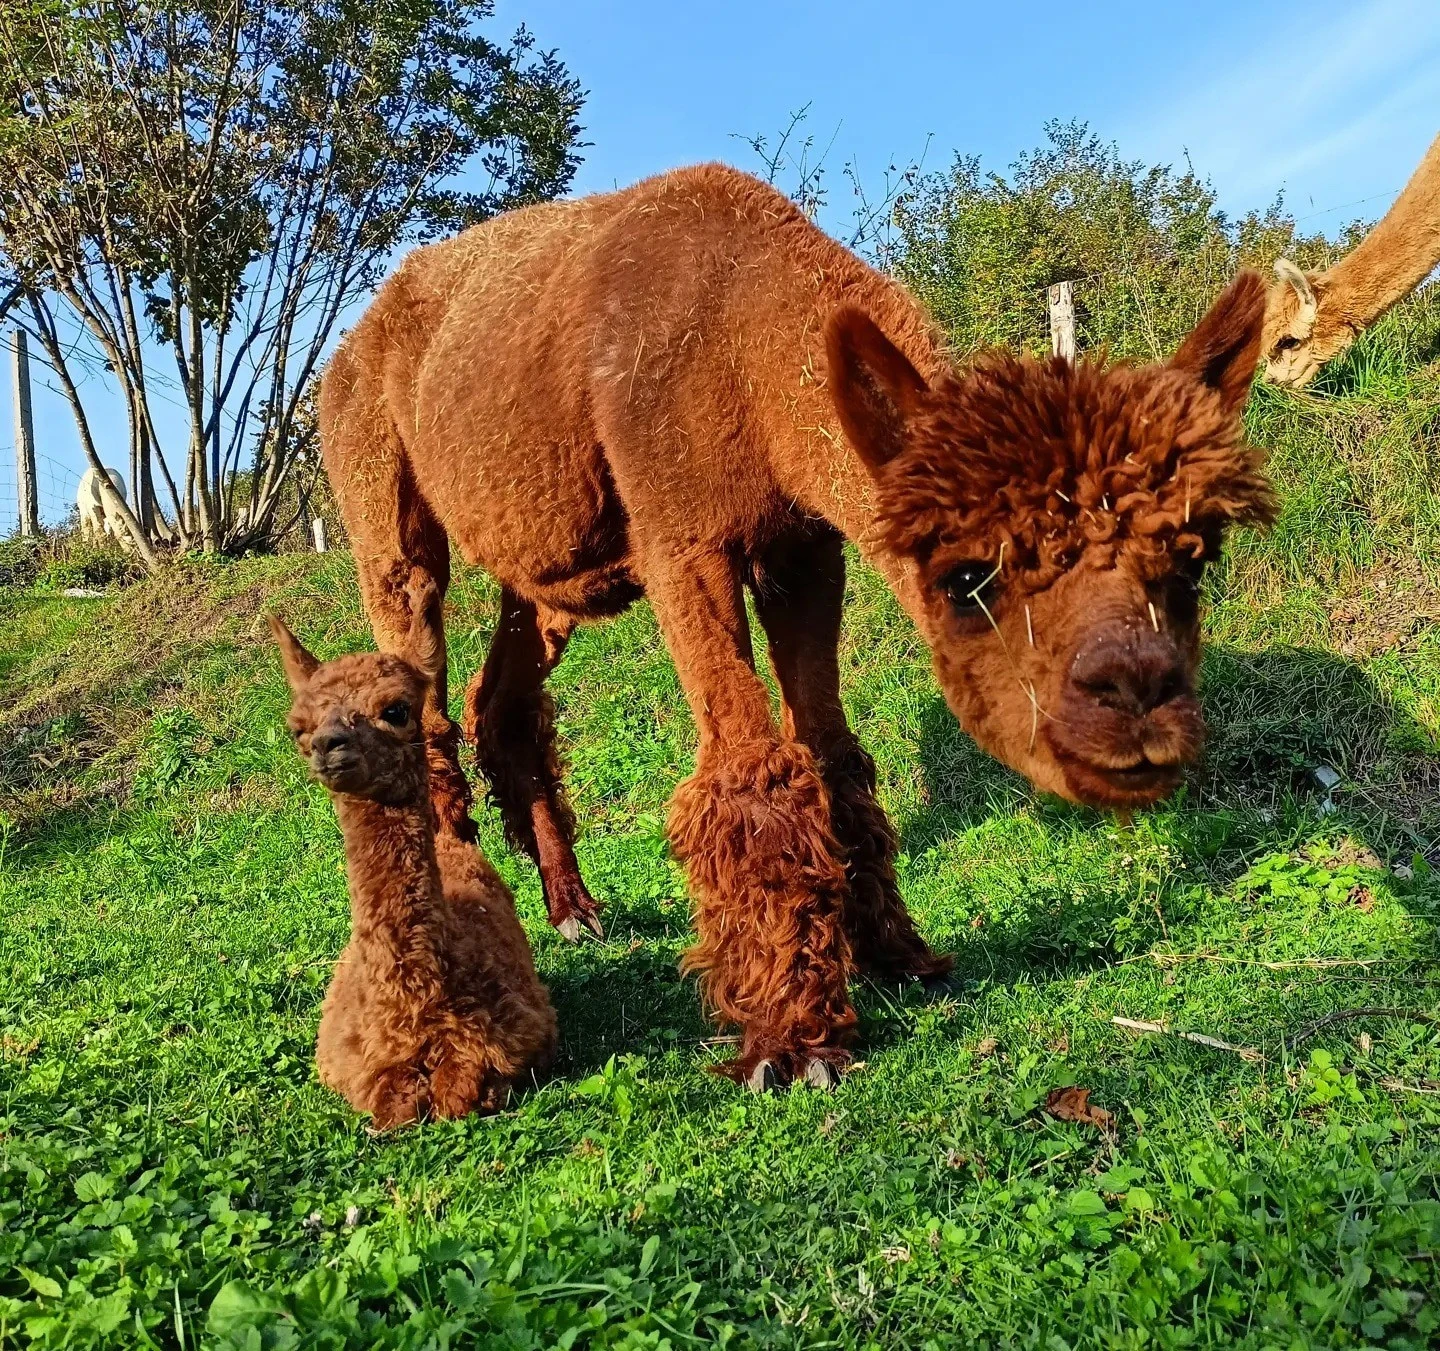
{"points": [[55, 487]]}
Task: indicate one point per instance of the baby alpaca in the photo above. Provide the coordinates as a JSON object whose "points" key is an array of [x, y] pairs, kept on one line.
{"points": [[435, 1008]]}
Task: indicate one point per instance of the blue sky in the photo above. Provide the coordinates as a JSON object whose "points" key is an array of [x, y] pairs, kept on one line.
{"points": [[1333, 102], [1334, 107]]}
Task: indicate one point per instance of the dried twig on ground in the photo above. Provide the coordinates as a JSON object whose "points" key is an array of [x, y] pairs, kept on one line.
{"points": [[1299, 963], [1244, 1052], [1344, 1015], [1431, 1087]]}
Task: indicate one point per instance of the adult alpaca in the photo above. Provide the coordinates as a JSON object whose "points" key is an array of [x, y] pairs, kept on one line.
{"points": [[1313, 317], [684, 389]]}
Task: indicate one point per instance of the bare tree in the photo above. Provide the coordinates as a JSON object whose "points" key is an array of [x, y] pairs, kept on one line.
{"points": [[208, 185], [798, 169]]}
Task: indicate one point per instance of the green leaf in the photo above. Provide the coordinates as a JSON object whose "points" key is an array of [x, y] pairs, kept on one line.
{"points": [[1118, 1178], [44, 1286], [238, 1306], [1086, 1203], [93, 1187], [648, 1253], [320, 1295], [459, 1290], [1138, 1199], [103, 1315]]}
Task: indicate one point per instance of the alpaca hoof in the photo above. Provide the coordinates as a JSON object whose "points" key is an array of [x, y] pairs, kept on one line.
{"points": [[592, 922], [763, 1078], [569, 929], [822, 1074]]}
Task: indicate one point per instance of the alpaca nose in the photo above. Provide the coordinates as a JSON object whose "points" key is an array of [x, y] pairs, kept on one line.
{"points": [[1131, 670], [330, 739]]}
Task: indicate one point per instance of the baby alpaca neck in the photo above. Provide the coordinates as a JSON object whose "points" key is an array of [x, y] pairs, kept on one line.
{"points": [[395, 894]]}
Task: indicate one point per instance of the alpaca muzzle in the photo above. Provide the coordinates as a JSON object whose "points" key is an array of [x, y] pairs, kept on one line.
{"points": [[335, 758], [1129, 721]]}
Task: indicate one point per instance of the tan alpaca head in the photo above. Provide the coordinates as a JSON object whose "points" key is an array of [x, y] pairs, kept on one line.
{"points": [[1301, 330], [1057, 519], [357, 719]]}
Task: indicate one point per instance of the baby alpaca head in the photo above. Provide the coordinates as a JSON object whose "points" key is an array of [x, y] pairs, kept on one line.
{"points": [[1057, 519], [357, 719]]}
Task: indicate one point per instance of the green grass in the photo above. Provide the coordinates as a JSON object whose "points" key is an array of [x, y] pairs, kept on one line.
{"points": [[172, 895]]}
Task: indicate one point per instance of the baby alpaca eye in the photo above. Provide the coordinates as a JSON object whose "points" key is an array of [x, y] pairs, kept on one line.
{"points": [[397, 715], [970, 587]]}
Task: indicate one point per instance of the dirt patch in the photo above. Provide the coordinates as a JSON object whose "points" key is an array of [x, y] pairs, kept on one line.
{"points": [[1393, 607]]}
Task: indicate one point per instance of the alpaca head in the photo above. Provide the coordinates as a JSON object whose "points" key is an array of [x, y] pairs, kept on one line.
{"points": [[1301, 333], [1057, 520], [357, 719]]}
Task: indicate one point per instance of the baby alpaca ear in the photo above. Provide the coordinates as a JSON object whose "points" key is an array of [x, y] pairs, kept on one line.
{"points": [[425, 647], [875, 388], [1224, 348], [299, 664]]}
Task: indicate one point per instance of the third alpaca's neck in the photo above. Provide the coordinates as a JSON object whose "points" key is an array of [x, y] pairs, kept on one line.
{"points": [[396, 903], [1396, 256]]}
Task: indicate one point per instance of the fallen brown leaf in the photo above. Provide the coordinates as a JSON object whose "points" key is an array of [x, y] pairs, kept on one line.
{"points": [[987, 1046], [1073, 1104], [1363, 899]]}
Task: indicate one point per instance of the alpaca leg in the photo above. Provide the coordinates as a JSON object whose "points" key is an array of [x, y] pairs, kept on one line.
{"points": [[396, 1096], [798, 596], [752, 827], [511, 722], [392, 532], [462, 1083]]}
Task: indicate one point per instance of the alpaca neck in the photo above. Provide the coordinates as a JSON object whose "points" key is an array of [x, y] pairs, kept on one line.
{"points": [[1395, 257], [396, 904]]}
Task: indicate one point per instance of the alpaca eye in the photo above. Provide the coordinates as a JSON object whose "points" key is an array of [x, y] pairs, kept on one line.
{"points": [[970, 587], [1286, 343], [1183, 597], [397, 715]]}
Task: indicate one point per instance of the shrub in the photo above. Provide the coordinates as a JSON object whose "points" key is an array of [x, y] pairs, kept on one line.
{"points": [[1148, 243]]}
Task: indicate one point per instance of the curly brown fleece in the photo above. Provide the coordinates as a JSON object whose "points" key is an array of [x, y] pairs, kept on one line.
{"points": [[435, 1008], [684, 390]]}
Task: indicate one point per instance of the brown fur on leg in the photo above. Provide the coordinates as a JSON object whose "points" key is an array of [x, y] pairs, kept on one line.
{"points": [[450, 796], [515, 749], [752, 827], [882, 934], [511, 721]]}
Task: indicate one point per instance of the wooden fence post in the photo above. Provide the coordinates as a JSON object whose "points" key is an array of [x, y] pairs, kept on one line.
{"points": [[1062, 319], [25, 483], [317, 530]]}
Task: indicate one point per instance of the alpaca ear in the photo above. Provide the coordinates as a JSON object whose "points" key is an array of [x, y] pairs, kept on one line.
{"points": [[425, 647], [875, 388], [1224, 347], [299, 664], [1305, 320]]}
